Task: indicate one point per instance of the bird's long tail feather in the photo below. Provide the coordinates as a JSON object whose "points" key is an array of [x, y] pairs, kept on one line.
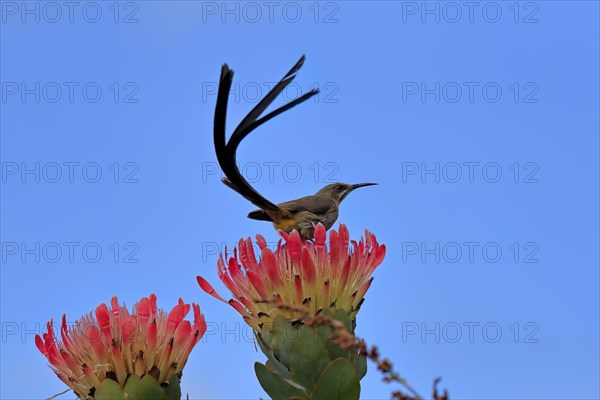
{"points": [[226, 151]]}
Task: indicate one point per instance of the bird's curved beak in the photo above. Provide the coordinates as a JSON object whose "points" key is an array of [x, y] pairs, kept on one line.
{"points": [[356, 186], [359, 185]]}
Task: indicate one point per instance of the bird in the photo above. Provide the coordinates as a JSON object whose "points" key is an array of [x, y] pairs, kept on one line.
{"points": [[301, 214]]}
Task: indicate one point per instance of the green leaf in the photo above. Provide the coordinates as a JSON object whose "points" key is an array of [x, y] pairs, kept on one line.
{"points": [[281, 341], [173, 390], [308, 358], [149, 389], [325, 332], [279, 368], [334, 350], [267, 351], [360, 364], [272, 361], [265, 334], [275, 386], [338, 381], [131, 385], [110, 390], [342, 316]]}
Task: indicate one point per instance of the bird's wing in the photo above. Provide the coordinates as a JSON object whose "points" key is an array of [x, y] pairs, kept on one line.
{"points": [[317, 205], [226, 152]]}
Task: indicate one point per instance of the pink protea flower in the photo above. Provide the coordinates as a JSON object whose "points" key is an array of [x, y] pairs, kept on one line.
{"points": [[302, 274], [112, 343]]}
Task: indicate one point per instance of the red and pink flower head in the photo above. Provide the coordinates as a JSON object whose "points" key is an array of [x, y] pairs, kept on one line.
{"points": [[112, 343], [313, 276]]}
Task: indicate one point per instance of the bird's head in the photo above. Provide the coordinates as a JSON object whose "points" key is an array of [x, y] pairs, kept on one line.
{"points": [[339, 191]]}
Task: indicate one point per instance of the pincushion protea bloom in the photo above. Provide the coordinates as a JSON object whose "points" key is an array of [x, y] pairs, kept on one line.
{"points": [[113, 352], [283, 293], [299, 273]]}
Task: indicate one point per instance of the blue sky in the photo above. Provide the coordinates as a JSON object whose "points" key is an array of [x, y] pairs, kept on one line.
{"points": [[479, 122]]}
